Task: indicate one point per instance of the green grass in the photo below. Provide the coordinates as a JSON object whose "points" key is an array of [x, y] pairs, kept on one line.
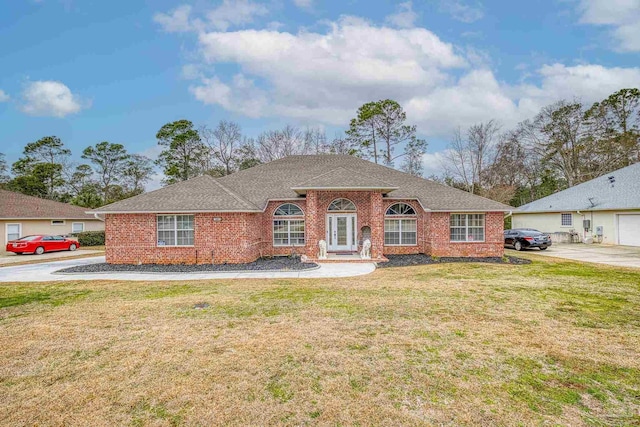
{"points": [[551, 343]]}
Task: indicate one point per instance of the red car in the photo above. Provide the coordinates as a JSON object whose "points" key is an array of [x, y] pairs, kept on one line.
{"points": [[40, 244]]}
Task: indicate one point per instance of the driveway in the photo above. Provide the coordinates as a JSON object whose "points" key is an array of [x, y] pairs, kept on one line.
{"points": [[45, 272], [8, 258], [620, 256]]}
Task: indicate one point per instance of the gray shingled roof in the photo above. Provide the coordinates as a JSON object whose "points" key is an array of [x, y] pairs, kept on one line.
{"points": [[341, 178], [252, 188], [203, 193], [598, 194]]}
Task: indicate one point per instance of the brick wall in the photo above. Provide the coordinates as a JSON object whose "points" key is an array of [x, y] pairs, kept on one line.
{"points": [[131, 239], [441, 246], [243, 237]]}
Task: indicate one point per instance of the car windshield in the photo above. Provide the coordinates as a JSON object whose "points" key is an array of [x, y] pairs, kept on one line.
{"points": [[27, 238]]}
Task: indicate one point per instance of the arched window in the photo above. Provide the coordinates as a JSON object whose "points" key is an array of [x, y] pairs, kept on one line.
{"points": [[400, 231], [342, 205], [288, 209], [288, 231], [400, 209]]}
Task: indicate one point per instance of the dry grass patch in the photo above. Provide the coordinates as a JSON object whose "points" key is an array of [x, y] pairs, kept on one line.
{"points": [[549, 343]]}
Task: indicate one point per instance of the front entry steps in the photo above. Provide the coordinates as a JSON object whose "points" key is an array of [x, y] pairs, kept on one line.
{"points": [[345, 257]]}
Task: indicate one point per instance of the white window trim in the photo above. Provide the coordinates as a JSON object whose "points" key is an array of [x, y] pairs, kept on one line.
{"points": [[288, 220], [6, 231], [355, 208], [400, 215], [484, 228], [570, 216], [74, 223], [301, 215], [58, 225], [175, 231], [401, 220]]}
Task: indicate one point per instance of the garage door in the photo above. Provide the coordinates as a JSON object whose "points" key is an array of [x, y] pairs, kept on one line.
{"points": [[629, 230]]}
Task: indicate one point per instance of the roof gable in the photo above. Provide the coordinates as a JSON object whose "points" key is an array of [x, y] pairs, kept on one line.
{"points": [[343, 179]]}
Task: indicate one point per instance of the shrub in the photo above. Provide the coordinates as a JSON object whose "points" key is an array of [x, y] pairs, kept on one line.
{"points": [[91, 238]]}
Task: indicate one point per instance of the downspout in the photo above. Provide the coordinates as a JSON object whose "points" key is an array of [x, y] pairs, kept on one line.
{"points": [[507, 216], [582, 227]]}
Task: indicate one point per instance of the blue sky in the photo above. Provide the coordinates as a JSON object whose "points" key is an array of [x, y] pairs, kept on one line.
{"points": [[90, 70]]}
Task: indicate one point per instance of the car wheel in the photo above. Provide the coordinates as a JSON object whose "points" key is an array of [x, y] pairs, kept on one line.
{"points": [[517, 246], [543, 249], [39, 250], [73, 247]]}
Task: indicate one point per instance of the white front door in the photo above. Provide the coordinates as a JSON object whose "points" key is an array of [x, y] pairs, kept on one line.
{"points": [[341, 232]]}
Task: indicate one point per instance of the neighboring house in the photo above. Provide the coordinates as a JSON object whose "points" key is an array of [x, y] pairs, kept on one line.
{"points": [[606, 208], [287, 206], [22, 215]]}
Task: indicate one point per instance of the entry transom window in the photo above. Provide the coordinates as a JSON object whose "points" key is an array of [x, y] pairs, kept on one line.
{"points": [[342, 205], [566, 220], [288, 231], [400, 209], [467, 227], [175, 230]]}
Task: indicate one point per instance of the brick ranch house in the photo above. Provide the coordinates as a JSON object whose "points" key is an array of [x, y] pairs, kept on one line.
{"points": [[287, 206]]}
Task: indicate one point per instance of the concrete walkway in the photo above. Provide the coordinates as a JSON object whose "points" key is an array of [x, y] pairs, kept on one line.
{"points": [[620, 256], [8, 258], [44, 272]]}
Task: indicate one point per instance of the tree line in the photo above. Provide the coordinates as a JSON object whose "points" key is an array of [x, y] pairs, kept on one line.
{"points": [[565, 144], [379, 132], [45, 170]]}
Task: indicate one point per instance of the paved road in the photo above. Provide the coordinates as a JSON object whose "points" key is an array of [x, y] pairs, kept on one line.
{"points": [[44, 272], [8, 258], [620, 256]]}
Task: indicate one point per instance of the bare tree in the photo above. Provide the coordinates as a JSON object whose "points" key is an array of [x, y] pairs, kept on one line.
{"points": [[223, 142], [471, 153], [276, 144], [315, 141]]}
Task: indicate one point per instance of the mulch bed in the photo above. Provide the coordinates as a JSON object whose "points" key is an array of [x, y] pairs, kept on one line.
{"points": [[262, 264], [421, 259]]}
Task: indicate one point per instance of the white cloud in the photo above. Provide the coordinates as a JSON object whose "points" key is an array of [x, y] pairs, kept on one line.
{"points": [[461, 11], [303, 4], [405, 17], [235, 13], [623, 16], [176, 21], [324, 76], [50, 98], [432, 163], [230, 13], [3, 96], [325, 73]]}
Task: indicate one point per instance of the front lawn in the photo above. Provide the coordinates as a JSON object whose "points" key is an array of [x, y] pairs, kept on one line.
{"points": [[548, 343]]}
